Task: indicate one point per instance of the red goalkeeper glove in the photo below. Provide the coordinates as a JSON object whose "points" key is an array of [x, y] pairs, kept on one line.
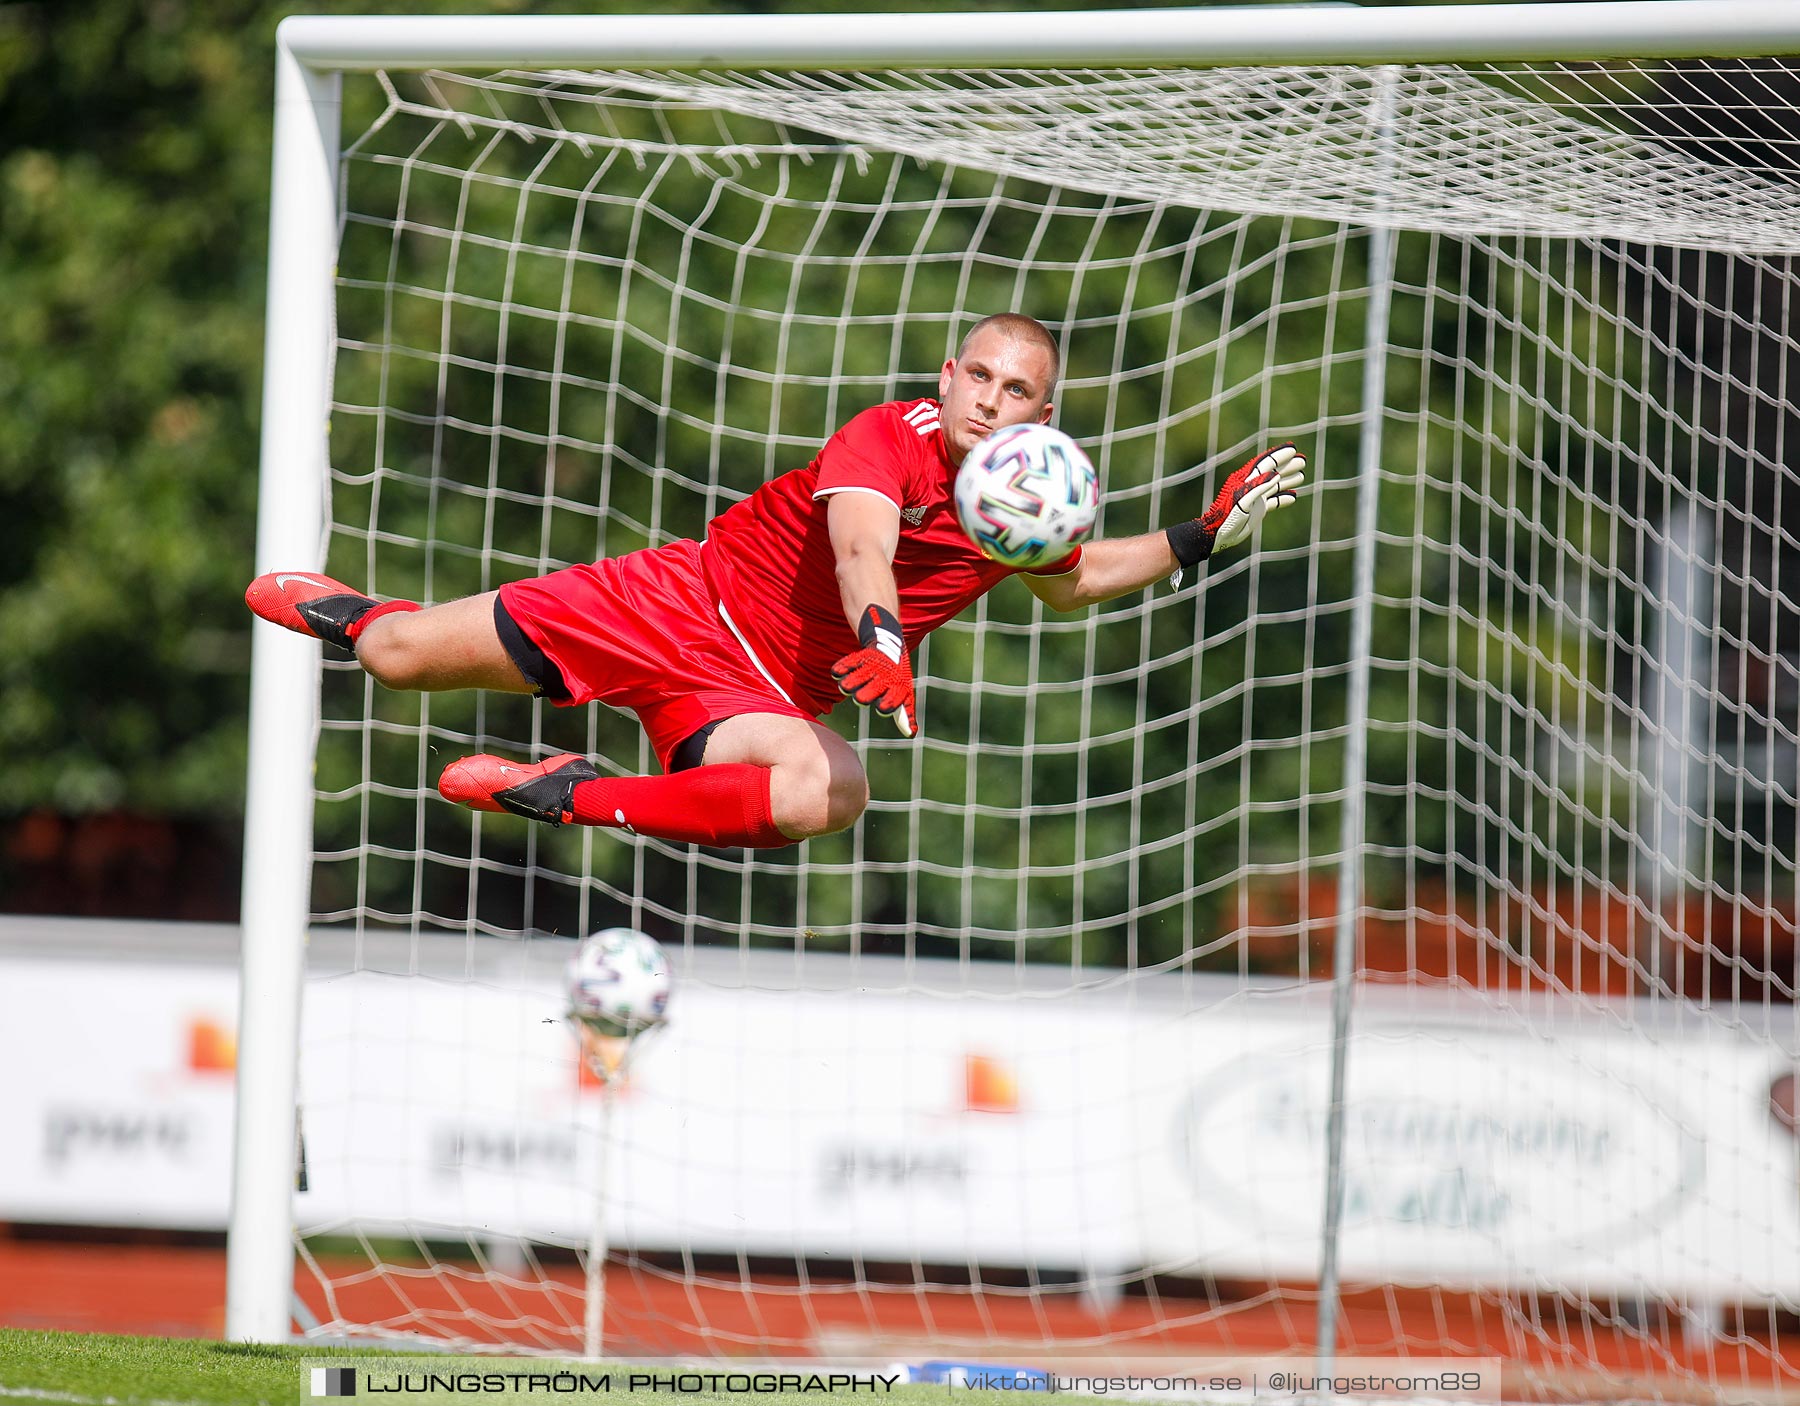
{"points": [[879, 675], [1267, 482]]}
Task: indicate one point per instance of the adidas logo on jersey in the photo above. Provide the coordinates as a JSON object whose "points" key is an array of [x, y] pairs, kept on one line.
{"points": [[923, 417]]}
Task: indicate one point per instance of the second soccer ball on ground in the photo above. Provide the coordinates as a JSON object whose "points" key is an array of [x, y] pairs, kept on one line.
{"points": [[1027, 494]]}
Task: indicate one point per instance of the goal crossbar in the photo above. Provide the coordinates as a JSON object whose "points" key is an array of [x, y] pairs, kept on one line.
{"points": [[1152, 38]]}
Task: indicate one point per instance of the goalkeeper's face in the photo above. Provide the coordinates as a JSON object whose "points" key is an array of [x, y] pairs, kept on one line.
{"points": [[998, 380]]}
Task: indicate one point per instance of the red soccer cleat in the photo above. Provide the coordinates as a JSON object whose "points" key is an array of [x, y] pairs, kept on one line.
{"points": [[309, 604], [536, 790]]}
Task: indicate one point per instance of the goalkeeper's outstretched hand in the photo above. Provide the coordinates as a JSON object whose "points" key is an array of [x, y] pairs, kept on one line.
{"points": [[878, 675], [1267, 482]]}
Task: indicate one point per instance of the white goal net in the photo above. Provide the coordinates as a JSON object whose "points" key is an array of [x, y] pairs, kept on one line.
{"points": [[1037, 1058]]}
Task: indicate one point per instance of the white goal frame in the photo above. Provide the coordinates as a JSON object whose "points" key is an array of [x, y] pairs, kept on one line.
{"points": [[313, 52]]}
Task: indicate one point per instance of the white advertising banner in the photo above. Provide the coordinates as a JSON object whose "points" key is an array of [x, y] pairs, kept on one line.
{"points": [[1486, 1151], [1173, 1124], [781, 1122], [116, 1093]]}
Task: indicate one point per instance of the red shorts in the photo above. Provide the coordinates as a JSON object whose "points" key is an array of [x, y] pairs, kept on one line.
{"points": [[642, 632]]}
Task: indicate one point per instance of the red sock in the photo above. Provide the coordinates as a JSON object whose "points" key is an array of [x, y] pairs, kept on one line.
{"points": [[725, 805], [370, 616]]}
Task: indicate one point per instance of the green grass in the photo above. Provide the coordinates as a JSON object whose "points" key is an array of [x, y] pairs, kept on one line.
{"points": [[138, 1371], [81, 1369]]}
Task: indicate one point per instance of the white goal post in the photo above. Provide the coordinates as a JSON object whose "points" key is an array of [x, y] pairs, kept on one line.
{"points": [[1581, 764]]}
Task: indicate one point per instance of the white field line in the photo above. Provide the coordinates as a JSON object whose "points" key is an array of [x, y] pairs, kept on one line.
{"points": [[33, 1393]]}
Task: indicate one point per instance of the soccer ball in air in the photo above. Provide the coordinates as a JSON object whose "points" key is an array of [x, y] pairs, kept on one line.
{"points": [[1026, 494], [618, 982]]}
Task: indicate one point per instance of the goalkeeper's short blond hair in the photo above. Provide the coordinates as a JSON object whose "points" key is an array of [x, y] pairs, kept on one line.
{"points": [[1022, 328]]}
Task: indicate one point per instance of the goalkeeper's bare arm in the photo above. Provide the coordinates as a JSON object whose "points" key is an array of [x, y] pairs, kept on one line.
{"points": [[1119, 565]]}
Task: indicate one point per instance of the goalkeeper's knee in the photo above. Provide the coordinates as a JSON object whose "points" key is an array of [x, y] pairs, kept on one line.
{"points": [[817, 798], [392, 655], [845, 801]]}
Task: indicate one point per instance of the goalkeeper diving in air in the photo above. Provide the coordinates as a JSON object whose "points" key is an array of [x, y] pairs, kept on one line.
{"points": [[819, 584]]}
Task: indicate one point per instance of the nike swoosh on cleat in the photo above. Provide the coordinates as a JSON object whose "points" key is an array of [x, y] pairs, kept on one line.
{"points": [[281, 582], [515, 770]]}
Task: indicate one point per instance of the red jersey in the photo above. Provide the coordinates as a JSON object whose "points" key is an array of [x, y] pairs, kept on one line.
{"points": [[769, 560]]}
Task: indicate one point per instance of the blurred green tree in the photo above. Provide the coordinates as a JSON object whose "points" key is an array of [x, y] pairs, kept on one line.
{"points": [[134, 184], [134, 180]]}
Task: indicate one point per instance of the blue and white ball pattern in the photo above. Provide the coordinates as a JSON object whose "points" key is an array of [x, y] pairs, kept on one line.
{"points": [[618, 982], [1026, 494]]}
